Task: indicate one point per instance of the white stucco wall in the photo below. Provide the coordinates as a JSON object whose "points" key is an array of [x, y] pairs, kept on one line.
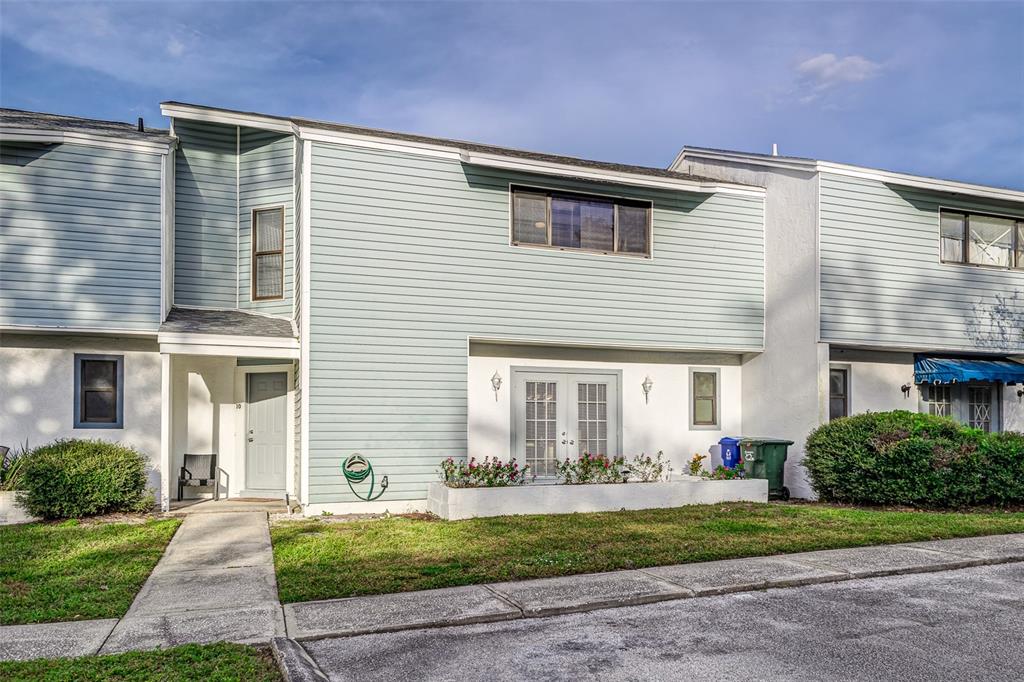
{"points": [[876, 378], [785, 388], [208, 393], [660, 424], [37, 387], [1013, 409], [203, 417]]}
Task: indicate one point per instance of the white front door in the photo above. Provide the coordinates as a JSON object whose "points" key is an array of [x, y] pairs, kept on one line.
{"points": [[266, 431], [561, 414]]}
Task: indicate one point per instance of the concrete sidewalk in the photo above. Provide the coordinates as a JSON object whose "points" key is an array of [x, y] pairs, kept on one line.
{"points": [[216, 583], [554, 596]]}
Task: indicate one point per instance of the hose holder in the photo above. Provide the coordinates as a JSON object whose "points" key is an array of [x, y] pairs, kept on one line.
{"points": [[357, 469]]}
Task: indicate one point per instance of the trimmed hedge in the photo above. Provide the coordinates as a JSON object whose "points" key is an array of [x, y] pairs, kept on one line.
{"points": [[905, 458], [74, 478]]}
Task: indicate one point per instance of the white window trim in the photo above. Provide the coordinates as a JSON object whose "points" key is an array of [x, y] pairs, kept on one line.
{"points": [[717, 426]]}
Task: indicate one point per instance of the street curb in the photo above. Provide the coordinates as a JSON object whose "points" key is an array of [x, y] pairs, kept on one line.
{"points": [[957, 561], [294, 663]]}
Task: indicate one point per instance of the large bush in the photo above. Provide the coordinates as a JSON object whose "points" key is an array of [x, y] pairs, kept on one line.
{"points": [[905, 458], [74, 478]]}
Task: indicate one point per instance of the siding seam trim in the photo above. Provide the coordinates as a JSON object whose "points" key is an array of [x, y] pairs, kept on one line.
{"points": [[238, 218]]}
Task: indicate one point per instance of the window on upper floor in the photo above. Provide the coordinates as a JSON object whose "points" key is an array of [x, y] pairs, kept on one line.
{"points": [[982, 239], [564, 220], [99, 391], [267, 254]]}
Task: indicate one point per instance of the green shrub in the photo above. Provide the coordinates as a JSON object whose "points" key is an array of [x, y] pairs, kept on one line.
{"points": [[905, 458], [73, 478]]}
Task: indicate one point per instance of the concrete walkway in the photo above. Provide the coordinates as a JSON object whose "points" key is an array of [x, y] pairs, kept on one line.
{"points": [[216, 582]]}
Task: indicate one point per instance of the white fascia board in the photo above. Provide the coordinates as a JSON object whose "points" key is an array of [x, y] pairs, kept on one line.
{"points": [[526, 165], [518, 163], [716, 155], [903, 179], [230, 351], [231, 118], [8, 134], [382, 143], [922, 182], [919, 348], [227, 340]]}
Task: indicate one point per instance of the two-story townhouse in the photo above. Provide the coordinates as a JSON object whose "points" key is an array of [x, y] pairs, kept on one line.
{"points": [[883, 291], [329, 290]]}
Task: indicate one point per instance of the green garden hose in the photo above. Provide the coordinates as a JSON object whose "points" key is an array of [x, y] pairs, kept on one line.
{"points": [[356, 470]]}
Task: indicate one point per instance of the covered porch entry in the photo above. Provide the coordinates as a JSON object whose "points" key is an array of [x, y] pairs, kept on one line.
{"points": [[229, 410]]}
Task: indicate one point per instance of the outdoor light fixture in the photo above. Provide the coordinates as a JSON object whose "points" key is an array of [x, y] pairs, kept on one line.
{"points": [[1020, 394], [906, 390], [496, 384], [647, 386]]}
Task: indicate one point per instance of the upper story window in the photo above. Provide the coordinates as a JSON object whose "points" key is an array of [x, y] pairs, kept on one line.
{"points": [[575, 221], [981, 239], [267, 254]]}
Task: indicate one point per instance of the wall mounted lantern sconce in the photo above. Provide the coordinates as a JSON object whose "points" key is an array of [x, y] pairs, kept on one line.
{"points": [[1020, 394], [906, 390], [647, 386], [496, 385]]}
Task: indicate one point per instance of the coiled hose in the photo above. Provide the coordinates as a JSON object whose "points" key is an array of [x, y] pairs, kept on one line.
{"points": [[357, 469]]}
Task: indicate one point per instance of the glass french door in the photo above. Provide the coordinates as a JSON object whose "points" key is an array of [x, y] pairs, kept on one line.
{"points": [[559, 414]]}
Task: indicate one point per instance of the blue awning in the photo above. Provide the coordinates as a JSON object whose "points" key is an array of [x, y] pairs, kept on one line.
{"points": [[929, 369]]}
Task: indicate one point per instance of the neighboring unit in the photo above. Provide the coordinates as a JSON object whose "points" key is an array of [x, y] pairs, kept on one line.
{"points": [[283, 293], [885, 291]]}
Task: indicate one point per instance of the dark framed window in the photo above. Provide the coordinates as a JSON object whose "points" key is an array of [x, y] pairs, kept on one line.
{"points": [[981, 239], [565, 220], [704, 388], [838, 393], [268, 253], [99, 391]]}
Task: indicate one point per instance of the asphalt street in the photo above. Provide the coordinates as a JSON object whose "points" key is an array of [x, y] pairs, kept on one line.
{"points": [[954, 625]]}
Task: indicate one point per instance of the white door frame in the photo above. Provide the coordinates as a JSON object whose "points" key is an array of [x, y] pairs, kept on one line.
{"points": [[241, 424]]}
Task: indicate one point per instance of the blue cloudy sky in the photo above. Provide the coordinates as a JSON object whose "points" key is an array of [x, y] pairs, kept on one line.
{"points": [[929, 88]]}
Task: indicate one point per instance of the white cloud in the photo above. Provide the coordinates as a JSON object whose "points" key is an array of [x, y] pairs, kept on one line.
{"points": [[175, 47], [827, 71]]}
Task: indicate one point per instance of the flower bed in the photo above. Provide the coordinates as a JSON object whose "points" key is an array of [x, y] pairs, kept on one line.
{"points": [[466, 503]]}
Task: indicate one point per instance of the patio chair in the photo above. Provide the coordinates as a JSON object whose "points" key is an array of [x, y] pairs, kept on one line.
{"points": [[199, 471]]}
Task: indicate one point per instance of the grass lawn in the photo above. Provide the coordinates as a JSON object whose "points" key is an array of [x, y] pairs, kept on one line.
{"points": [[318, 559], [76, 571], [190, 662]]}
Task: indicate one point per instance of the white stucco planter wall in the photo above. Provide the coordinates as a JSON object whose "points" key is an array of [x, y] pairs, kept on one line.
{"points": [[467, 503], [10, 511]]}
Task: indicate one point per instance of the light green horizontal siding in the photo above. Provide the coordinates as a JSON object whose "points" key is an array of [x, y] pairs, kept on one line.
{"points": [[223, 173], [882, 282], [265, 181], [79, 237], [205, 218], [410, 257]]}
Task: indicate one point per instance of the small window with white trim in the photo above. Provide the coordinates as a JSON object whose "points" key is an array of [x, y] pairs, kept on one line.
{"points": [[268, 254], [580, 222]]}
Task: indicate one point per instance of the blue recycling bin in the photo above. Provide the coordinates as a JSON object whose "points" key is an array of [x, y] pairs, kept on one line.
{"points": [[730, 452]]}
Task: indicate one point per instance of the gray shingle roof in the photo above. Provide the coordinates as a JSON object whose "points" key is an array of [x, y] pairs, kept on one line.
{"points": [[467, 146], [18, 118], [230, 322]]}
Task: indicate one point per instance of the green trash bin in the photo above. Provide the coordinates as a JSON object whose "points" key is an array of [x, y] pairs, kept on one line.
{"points": [[766, 458]]}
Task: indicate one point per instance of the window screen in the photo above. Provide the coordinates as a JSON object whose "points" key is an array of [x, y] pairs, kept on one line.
{"points": [[268, 254]]}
